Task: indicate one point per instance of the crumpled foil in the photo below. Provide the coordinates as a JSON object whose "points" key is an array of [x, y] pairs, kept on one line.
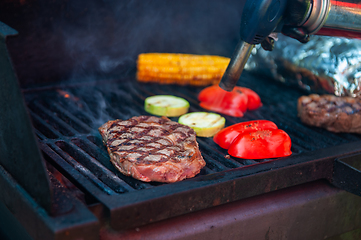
{"points": [[323, 65]]}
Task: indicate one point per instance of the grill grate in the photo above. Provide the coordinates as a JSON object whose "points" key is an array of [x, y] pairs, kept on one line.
{"points": [[66, 121]]}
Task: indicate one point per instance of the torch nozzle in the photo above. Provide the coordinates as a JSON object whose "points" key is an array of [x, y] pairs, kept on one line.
{"points": [[236, 65]]}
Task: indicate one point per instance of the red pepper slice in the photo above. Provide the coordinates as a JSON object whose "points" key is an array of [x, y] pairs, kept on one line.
{"points": [[234, 103], [254, 101], [225, 137], [216, 99], [261, 144]]}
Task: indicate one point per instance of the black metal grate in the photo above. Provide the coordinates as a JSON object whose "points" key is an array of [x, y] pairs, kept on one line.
{"points": [[66, 121]]}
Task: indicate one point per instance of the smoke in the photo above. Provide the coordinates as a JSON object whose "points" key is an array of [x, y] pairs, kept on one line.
{"points": [[102, 39], [105, 37], [103, 102]]}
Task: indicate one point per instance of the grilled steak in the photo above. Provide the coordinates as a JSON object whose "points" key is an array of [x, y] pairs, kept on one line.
{"points": [[336, 114], [150, 148]]}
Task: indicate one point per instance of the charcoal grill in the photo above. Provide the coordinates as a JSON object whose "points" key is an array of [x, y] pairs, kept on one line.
{"points": [[70, 190]]}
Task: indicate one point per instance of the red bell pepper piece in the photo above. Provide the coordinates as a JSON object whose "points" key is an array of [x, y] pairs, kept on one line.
{"points": [[216, 99], [225, 137], [234, 103], [261, 144], [254, 101]]}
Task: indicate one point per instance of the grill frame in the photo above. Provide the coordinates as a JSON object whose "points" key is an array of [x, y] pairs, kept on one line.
{"points": [[135, 203]]}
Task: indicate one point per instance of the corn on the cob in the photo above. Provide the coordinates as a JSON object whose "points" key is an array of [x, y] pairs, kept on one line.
{"points": [[182, 69]]}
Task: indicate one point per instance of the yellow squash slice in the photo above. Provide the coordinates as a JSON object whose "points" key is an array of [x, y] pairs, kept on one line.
{"points": [[205, 124]]}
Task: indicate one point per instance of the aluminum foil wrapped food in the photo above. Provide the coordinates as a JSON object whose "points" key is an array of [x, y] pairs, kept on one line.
{"points": [[323, 65]]}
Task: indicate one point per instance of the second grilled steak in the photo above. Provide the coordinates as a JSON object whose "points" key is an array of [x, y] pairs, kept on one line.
{"points": [[336, 114], [150, 148]]}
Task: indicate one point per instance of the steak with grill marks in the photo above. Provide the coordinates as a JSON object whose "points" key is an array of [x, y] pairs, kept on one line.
{"points": [[150, 148], [336, 114]]}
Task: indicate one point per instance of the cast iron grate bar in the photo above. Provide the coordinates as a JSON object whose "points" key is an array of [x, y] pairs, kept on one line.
{"points": [[52, 117], [227, 163], [100, 159], [93, 169], [68, 170], [69, 118], [75, 156], [43, 128], [74, 108]]}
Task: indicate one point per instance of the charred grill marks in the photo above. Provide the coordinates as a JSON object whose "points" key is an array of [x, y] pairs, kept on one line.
{"points": [[154, 142], [336, 114], [132, 139], [331, 104]]}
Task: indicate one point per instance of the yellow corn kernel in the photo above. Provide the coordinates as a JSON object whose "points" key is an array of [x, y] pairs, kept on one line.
{"points": [[182, 69]]}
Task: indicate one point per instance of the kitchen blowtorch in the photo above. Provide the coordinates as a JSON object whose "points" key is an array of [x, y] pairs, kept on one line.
{"points": [[261, 20]]}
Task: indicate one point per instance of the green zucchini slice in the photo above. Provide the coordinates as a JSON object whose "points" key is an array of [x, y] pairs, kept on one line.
{"points": [[166, 105]]}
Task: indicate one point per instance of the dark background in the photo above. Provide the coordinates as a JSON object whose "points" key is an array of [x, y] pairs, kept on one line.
{"points": [[77, 40]]}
